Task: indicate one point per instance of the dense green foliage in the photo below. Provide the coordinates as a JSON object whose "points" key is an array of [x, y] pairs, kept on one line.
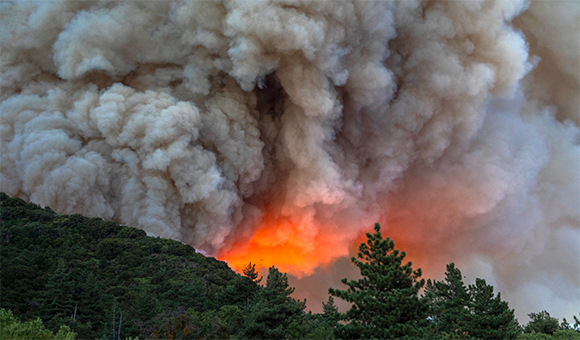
{"points": [[386, 304], [107, 281], [273, 309], [68, 275], [490, 317], [544, 327], [542, 322], [12, 328], [449, 303], [475, 312], [469, 313], [557, 335]]}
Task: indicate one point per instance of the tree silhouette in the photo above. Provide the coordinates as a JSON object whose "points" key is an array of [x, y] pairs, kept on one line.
{"points": [[385, 300]]}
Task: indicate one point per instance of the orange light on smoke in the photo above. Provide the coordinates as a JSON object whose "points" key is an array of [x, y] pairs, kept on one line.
{"points": [[299, 249], [407, 238], [294, 249]]}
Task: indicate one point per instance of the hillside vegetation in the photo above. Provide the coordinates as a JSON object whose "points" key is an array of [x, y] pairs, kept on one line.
{"points": [[99, 280], [102, 279]]}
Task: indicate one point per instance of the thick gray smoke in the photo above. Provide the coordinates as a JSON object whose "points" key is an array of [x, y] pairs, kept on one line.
{"points": [[455, 124]]}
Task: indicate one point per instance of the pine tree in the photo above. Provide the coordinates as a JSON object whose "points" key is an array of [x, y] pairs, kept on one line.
{"points": [[385, 301], [274, 310], [244, 287], [329, 309], [251, 273], [58, 306], [490, 317], [449, 301], [542, 322], [90, 313], [328, 321]]}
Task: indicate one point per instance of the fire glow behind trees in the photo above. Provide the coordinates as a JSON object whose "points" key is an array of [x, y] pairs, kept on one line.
{"points": [[277, 132]]}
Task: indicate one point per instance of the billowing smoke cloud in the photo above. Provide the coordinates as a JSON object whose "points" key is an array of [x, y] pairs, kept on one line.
{"points": [[278, 132]]}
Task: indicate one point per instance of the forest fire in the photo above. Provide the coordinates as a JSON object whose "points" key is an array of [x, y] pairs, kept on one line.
{"points": [[280, 243], [277, 134]]}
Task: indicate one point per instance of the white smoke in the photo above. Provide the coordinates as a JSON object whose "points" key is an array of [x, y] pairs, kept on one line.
{"points": [[455, 124]]}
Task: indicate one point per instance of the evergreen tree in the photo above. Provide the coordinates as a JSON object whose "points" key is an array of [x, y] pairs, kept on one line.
{"points": [[89, 312], [58, 306], [541, 322], [110, 275], [385, 300], [448, 302], [251, 273], [564, 325], [274, 310], [249, 285], [325, 323], [145, 304], [490, 317], [277, 289], [329, 309]]}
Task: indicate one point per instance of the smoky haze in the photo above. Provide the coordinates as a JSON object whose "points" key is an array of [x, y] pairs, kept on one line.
{"points": [[279, 132]]}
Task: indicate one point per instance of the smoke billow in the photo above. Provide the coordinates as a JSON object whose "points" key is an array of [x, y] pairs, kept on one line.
{"points": [[278, 131]]}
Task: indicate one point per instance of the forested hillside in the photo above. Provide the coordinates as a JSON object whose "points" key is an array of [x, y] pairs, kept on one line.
{"points": [[101, 278], [106, 281]]}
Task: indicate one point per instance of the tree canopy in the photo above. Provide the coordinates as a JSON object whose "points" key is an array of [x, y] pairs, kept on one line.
{"points": [[12, 328], [490, 317], [449, 303], [67, 276], [542, 322], [385, 301], [80, 272]]}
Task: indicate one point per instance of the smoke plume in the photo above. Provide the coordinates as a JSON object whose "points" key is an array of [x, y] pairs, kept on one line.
{"points": [[278, 132]]}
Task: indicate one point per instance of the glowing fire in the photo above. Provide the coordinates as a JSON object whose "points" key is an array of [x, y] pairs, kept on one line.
{"points": [[298, 248], [293, 248]]}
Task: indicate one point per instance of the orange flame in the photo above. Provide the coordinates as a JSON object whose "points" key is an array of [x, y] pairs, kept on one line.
{"points": [[293, 248], [299, 248]]}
